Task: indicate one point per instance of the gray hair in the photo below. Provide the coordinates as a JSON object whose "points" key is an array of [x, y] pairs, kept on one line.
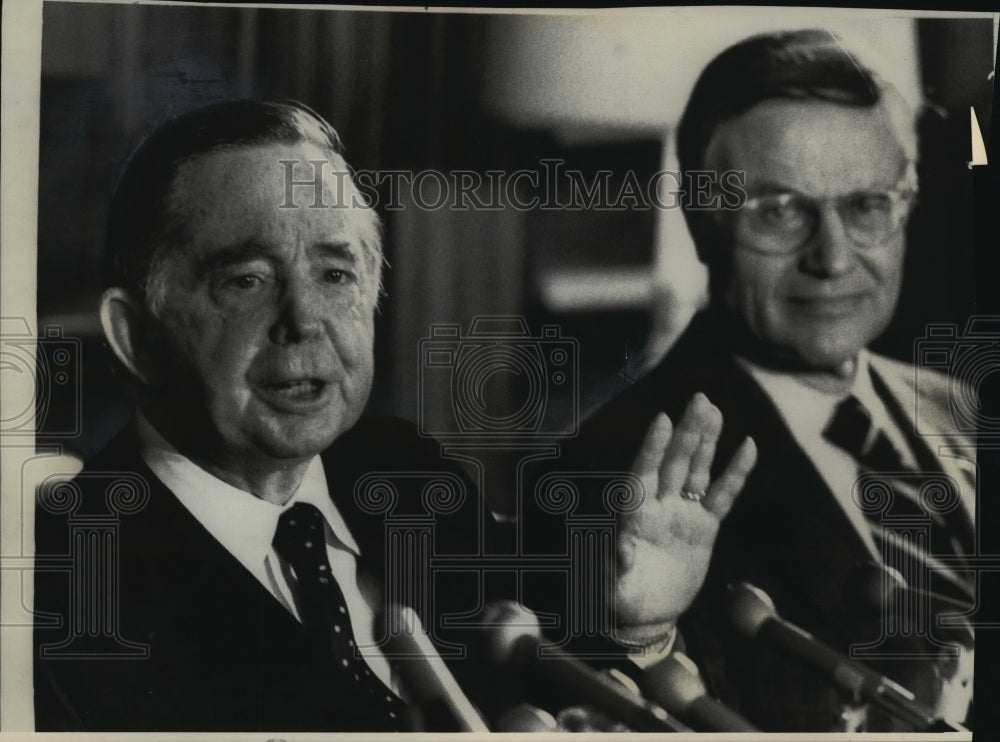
{"points": [[141, 232]]}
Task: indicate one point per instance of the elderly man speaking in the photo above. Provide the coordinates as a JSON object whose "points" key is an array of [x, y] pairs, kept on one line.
{"points": [[803, 277], [243, 274]]}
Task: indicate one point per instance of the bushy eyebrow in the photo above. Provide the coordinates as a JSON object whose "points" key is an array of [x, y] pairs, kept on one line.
{"points": [[255, 250], [233, 255], [768, 188], [341, 250]]}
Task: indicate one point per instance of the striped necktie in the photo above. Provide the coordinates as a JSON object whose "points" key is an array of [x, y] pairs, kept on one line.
{"points": [[912, 514]]}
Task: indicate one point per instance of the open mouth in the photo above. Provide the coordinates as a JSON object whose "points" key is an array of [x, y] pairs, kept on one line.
{"points": [[297, 390]]}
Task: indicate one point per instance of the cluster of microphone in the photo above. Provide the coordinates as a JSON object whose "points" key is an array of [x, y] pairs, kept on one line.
{"points": [[669, 696]]}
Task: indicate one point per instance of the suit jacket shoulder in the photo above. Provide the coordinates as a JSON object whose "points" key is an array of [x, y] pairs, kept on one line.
{"points": [[148, 623], [940, 405]]}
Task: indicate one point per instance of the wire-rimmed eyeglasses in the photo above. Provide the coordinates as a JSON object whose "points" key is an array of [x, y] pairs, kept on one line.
{"points": [[784, 222]]}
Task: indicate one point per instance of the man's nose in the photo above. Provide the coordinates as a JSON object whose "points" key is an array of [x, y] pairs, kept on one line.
{"points": [[300, 313], [830, 252]]}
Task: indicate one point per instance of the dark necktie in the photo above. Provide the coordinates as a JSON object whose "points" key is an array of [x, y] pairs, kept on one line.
{"points": [[917, 496], [300, 541]]}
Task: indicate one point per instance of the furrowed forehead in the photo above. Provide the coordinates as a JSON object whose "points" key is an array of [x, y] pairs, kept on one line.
{"points": [[235, 204], [268, 185], [143, 229]]}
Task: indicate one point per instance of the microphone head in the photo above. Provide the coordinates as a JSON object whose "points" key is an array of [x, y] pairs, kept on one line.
{"points": [[506, 622], [674, 683], [526, 718], [749, 607], [623, 680]]}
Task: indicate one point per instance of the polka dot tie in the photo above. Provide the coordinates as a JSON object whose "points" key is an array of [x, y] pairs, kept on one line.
{"points": [[300, 541]]}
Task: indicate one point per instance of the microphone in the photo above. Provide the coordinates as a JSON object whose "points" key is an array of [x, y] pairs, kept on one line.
{"points": [[428, 682], [526, 718], [674, 683], [516, 638], [753, 614]]}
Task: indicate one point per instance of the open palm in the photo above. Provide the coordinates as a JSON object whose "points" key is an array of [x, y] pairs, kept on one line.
{"points": [[664, 546]]}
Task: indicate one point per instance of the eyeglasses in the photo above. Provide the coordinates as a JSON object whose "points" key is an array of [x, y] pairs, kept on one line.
{"points": [[782, 223]]}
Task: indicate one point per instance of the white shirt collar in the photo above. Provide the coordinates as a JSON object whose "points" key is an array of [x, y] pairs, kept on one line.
{"points": [[243, 523], [807, 410], [245, 526]]}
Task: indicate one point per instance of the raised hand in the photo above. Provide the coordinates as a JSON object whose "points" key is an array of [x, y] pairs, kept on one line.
{"points": [[664, 546]]}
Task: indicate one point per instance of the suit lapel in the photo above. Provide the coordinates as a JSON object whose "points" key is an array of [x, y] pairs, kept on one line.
{"points": [[786, 534], [930, 426], [786, 508], [171, 550], [786, 530], [224, 653], [344, 465]]}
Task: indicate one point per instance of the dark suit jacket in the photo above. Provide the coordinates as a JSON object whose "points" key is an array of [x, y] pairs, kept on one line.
{"points": [[211, 649], [786, 534]]}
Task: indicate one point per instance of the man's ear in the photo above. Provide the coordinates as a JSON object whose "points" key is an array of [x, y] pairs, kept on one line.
{"points": [[703, 234], [122, 319]]}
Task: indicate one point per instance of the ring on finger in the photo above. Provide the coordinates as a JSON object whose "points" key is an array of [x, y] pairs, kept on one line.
{"points": [[693, 495]]}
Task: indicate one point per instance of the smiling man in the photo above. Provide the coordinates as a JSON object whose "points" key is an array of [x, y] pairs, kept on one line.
{"points": [[803, 277], [817, 251], [242, 573]]}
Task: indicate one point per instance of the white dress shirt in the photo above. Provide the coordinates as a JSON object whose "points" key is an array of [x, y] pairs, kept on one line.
{"points": [[245, 525], [807, 410]]}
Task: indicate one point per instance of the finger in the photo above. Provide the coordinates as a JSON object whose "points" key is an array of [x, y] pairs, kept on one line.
{"points": [[700, 471], [723, 491], [647, 461], [687, 435]]}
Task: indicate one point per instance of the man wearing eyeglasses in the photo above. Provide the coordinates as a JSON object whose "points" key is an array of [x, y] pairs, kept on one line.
{"points": [[803, 277]]}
